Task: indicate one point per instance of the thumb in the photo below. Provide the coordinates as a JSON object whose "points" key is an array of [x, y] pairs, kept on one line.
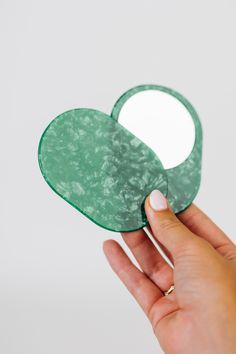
{"points": [[166, 227]]}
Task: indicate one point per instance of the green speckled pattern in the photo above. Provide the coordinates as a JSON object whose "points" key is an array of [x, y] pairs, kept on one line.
{"points": [[184, 179], [100, 168]]}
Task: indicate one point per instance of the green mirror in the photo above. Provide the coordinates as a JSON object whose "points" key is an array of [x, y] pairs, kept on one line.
{"points": [[167, 122], [105, 166], [100, 168]]}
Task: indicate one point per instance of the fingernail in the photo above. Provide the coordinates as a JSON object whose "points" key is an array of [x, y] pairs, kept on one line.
{"points": [[157, 200]]}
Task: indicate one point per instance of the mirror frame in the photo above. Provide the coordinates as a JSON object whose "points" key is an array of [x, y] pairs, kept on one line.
{"points": [[184, 179]]}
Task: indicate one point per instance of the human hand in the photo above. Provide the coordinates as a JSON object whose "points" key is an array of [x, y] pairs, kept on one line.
{"points": [[199, 316]]}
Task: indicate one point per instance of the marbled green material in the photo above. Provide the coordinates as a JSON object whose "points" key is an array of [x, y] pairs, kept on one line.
{"points": [[184, 179], [100, 168]]}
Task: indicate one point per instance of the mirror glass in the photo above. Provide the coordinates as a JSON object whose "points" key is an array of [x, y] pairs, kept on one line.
{"points": [[162, 122]]}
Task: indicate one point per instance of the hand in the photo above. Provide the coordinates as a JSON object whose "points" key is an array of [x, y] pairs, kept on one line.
{"points": [[199, 316]]}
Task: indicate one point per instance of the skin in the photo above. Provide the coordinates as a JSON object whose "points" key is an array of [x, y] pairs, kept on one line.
{"points": [[199, 316]]}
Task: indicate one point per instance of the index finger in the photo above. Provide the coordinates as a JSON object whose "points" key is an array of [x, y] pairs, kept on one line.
{"points": [[200, 224]]}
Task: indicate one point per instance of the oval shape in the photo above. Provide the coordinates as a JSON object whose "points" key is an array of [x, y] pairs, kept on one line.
{"points": [[183, 179], [167, 129], [100, 168]]}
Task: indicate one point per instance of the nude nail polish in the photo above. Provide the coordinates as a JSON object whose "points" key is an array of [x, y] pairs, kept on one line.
{"points": [[157, 200]]}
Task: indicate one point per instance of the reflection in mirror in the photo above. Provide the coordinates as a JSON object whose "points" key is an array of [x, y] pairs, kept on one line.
{"points": [[162, 122]]}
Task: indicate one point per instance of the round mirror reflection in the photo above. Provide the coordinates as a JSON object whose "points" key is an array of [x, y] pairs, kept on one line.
{"points": [[162, 122]]}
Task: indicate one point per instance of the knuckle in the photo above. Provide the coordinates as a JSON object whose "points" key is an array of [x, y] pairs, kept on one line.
{"points": [[169, 224], [194, 247]]}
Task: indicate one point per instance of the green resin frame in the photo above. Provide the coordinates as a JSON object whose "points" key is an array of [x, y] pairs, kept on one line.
{"points": [[100, 168], [106, 172], [184, 179]]}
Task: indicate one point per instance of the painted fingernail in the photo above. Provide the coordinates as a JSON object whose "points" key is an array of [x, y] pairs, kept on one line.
{"points": [[157, 200]]}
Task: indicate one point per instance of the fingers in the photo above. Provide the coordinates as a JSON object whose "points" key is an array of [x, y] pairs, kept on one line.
{"points": [[149, 259], [165, 226], [144, 291], [203, 226], [200, 224]]}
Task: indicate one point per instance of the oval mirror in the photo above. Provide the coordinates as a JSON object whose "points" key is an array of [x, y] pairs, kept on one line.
{"points": [[162, 122], [167, 122]]}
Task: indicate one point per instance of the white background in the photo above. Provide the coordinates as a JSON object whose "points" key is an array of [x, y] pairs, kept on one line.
{"points": [[57, 293]]}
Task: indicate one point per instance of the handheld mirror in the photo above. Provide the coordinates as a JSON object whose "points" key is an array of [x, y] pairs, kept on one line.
{"points": [[167, 122], [105, 166], [100, 168]]}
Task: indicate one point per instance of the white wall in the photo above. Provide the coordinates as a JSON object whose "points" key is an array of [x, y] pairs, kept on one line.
{"points": [[57, 293]]}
